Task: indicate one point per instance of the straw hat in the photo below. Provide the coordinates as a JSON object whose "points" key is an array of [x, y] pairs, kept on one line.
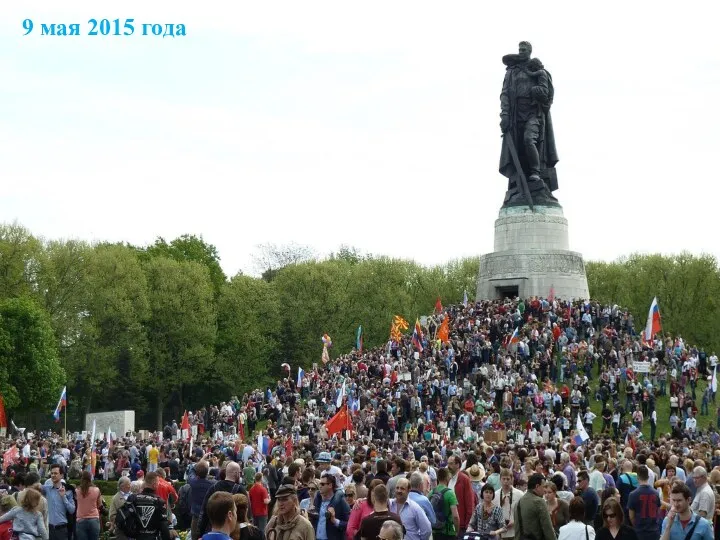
{"points": [[476, 473]]}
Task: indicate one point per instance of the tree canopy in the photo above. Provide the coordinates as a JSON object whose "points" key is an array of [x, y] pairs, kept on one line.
{"points": [[160, 329]]}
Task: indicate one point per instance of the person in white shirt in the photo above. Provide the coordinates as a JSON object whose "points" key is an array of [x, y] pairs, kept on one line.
{"points": [[704, 501], [507, 498], [597, 479], [691, 426], [576, 529], [589, 417]]}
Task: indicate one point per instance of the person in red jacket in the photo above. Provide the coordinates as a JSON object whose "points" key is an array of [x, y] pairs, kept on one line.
{"points": [[464, 492]]}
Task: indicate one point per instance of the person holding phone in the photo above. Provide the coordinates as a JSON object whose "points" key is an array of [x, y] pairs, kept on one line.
{"points": [[60, 503]]}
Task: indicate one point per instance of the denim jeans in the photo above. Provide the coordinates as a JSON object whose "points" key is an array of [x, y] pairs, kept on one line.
{"points": [[261, 523], [87, 529]]}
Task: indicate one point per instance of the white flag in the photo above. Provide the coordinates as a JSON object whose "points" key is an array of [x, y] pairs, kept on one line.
{"points": [[340, 397]]}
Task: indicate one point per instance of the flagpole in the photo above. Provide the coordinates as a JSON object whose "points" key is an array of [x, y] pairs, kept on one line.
{"points": [[65, 418]]}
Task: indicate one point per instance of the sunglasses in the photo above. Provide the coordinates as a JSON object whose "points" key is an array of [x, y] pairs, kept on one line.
{"points": [[610, 516]]}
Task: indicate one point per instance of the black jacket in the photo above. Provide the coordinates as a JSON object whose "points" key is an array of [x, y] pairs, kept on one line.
{"points": [[153, 515], [221, 485]]}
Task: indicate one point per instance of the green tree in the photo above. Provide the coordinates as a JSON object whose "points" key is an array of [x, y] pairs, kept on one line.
{"points": [[30, 373], [106, 360], [19, 252], [181, 329], [687, 287], [248, 332], [189, 247], [61, 285]]}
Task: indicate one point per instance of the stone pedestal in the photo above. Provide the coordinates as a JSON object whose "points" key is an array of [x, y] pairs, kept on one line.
{"points": [[532, 255], [120, 422]]}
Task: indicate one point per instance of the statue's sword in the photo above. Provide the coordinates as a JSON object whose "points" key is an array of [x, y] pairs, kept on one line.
{"points": [[518, 169]]}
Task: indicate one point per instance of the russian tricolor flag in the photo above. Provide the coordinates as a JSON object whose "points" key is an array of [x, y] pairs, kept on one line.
{"points": [[264, 445], [515, 336], [653, 321], [301, 376], [61, 404], [580, 434]]}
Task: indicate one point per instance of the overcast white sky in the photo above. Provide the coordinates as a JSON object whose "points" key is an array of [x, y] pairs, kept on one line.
{"points": [[373, 124]]}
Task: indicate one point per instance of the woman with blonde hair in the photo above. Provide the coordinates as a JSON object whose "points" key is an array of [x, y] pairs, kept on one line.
{"points": [[244, 530], [28, 522]]}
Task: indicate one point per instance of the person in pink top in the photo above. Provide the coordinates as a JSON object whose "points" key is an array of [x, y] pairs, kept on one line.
{"points": [[362, 509], [89, 503]]}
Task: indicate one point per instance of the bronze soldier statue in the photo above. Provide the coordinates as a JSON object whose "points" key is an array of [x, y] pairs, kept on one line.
{"points": [[525, 102]]}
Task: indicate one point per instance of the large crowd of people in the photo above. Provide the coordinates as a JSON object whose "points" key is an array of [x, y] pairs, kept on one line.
{"points": [[477, 423]]}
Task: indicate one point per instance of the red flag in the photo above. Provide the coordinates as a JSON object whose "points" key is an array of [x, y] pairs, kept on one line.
{"points": [[185, 424], [241, 430], [443, 332], [551, 296], [3, 418], [288, 447], [10, 457], [339, 422], [438, 306]]}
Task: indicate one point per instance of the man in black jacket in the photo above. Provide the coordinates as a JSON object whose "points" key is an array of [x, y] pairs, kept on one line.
{"points": [[151, 511], [231, 485]]}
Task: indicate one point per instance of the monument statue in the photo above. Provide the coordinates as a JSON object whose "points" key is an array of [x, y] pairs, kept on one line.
{"points": [[528, 155], [531, 255]]}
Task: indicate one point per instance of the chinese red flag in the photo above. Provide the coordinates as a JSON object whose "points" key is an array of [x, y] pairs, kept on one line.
{"points": [[339, 422]]}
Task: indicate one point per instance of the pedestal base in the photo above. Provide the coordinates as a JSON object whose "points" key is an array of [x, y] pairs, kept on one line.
{"points": [[531, 256]]}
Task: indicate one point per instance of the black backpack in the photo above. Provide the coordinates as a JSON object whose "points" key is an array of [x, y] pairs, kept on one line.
{"points": [[127, 519], [437, 500]]}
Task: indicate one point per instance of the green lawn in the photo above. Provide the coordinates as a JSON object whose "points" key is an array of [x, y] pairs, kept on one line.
{"points": [[662, 405]]}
